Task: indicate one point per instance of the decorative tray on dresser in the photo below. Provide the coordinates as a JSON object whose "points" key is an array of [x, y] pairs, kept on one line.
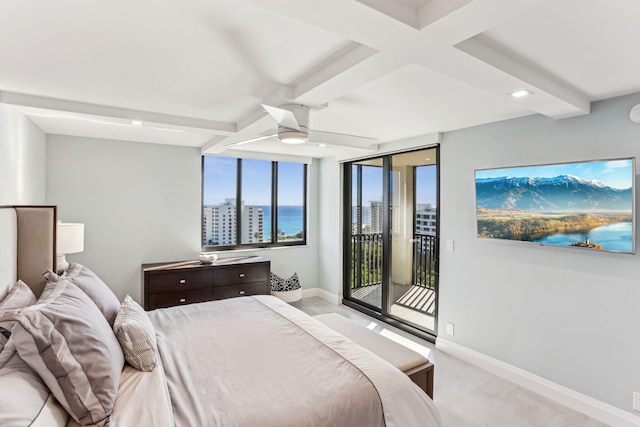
{"points": [[176, 283]]}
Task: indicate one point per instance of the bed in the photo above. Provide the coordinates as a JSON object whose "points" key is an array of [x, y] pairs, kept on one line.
{"points": [[248, 361]]}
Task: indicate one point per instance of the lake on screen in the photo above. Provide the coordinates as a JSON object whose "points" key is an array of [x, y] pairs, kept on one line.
{"points": [[612, 237]]}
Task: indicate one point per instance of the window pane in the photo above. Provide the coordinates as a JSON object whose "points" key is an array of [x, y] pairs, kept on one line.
{"points": [[426, 189], [291, 221], [256, 201], [356, 209], [366, 232], [219, 201]]}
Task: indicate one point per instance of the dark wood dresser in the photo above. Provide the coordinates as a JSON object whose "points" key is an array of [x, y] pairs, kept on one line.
{"points": [[169, 284]]}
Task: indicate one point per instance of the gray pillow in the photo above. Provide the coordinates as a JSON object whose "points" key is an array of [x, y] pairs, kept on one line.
{"points": [[93, 286], [136, 335], [67, 341], [20, 296]]}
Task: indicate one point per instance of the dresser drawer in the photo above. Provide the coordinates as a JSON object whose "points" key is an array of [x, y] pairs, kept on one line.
{"points": [[240, 274], [255, 288], [169, 299], [179, 280]]}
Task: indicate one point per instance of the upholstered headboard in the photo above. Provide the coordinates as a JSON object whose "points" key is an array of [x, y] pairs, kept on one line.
{"points": [[27, 245]]}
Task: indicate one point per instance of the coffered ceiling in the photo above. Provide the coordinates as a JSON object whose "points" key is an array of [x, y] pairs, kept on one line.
{"points": [[195, 72]]}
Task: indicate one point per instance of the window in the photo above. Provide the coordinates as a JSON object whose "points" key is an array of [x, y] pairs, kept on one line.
{"points": [[256, 180], [253, 203], [290, 202]]}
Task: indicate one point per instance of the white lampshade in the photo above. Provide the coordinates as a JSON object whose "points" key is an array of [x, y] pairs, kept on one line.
{"points": [[69, 240]]}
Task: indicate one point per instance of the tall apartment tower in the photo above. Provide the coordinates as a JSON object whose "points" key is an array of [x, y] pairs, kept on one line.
{"points": [[252, 224], [375, 216], [426, 219], [220, 223]]}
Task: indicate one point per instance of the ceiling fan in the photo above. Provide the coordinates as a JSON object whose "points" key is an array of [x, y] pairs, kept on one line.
{"points": [[293, 128]]}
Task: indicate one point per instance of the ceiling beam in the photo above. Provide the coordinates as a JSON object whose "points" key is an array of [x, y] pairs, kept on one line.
{"points": [[553, 97], [449, 42], [32, 101]]}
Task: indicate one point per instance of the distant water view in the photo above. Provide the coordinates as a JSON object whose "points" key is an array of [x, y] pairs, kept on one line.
{"points": [[612, 237], [290, 220]]}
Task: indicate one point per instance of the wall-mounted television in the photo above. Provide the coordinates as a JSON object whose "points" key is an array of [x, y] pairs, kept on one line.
{"points": [[589, 204]]}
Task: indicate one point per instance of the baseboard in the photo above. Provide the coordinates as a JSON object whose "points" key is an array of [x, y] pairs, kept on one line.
{"points": [[322, 293], [309, 292], [594, 408]]}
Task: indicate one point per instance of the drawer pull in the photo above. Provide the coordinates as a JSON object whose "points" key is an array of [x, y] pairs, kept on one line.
{"points": [[241, 292], [241, 274], [183, 281], [183, 299]]}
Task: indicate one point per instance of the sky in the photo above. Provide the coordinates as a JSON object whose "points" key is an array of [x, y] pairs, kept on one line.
{"points": [[372, 184], [613, 173], [220, 181]]}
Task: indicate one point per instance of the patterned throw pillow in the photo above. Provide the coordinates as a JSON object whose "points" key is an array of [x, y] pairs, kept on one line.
{"points": [[136, 335], [283, 285]]}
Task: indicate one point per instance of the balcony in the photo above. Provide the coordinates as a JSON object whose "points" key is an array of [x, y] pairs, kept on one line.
{"points": [[415, 299]]}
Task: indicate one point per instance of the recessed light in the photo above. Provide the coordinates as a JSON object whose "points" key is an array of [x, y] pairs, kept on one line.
{"points": [[520, 93], [136, 122], [322, 145]]}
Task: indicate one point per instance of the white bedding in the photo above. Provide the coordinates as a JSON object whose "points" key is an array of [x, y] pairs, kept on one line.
{"points": [[404, 403], [143, 400], [258, 361], [282, 368]]}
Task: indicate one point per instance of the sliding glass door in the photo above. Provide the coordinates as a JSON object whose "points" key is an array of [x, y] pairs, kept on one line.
{"points": [[391, 245], [365, 271]]}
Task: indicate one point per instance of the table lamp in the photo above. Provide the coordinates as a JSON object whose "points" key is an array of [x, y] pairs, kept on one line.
{"points": [[69, 240]]}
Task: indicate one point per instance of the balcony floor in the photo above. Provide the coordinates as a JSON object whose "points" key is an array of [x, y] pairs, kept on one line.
{"points": [[413, 303]]}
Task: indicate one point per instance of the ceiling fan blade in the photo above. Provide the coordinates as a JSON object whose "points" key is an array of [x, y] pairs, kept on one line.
{"points": [[342, 139], [284, 117], [246, 141]]}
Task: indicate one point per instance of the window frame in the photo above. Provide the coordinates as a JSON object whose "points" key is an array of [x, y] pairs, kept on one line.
{"points": [[274, 211]]}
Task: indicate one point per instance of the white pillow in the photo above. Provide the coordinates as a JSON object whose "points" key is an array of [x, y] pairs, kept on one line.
{"points": [[20, 296], [24, 399]]}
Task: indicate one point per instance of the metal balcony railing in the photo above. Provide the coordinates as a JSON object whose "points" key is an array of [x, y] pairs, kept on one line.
{"points": [[425, 257], [366, 260]]}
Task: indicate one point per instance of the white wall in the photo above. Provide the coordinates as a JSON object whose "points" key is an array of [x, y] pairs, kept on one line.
{"points": [[22, 159], [330, 239], [141, 203], [570, 316]]}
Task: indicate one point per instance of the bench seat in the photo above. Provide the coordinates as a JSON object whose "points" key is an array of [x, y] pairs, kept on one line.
{"points": [[416, 366]]}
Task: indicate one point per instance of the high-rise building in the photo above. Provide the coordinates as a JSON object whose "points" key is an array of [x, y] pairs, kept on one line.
{"points": [[375, 216], [252, 224], [425, 219], [220, 222]]}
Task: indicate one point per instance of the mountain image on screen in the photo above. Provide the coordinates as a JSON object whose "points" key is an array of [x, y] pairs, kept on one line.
{"points": [[563, 209], [564, 193]]}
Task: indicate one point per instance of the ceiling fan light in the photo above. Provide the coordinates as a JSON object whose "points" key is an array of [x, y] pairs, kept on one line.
{"points": [[293, 140], [291, 136]]}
